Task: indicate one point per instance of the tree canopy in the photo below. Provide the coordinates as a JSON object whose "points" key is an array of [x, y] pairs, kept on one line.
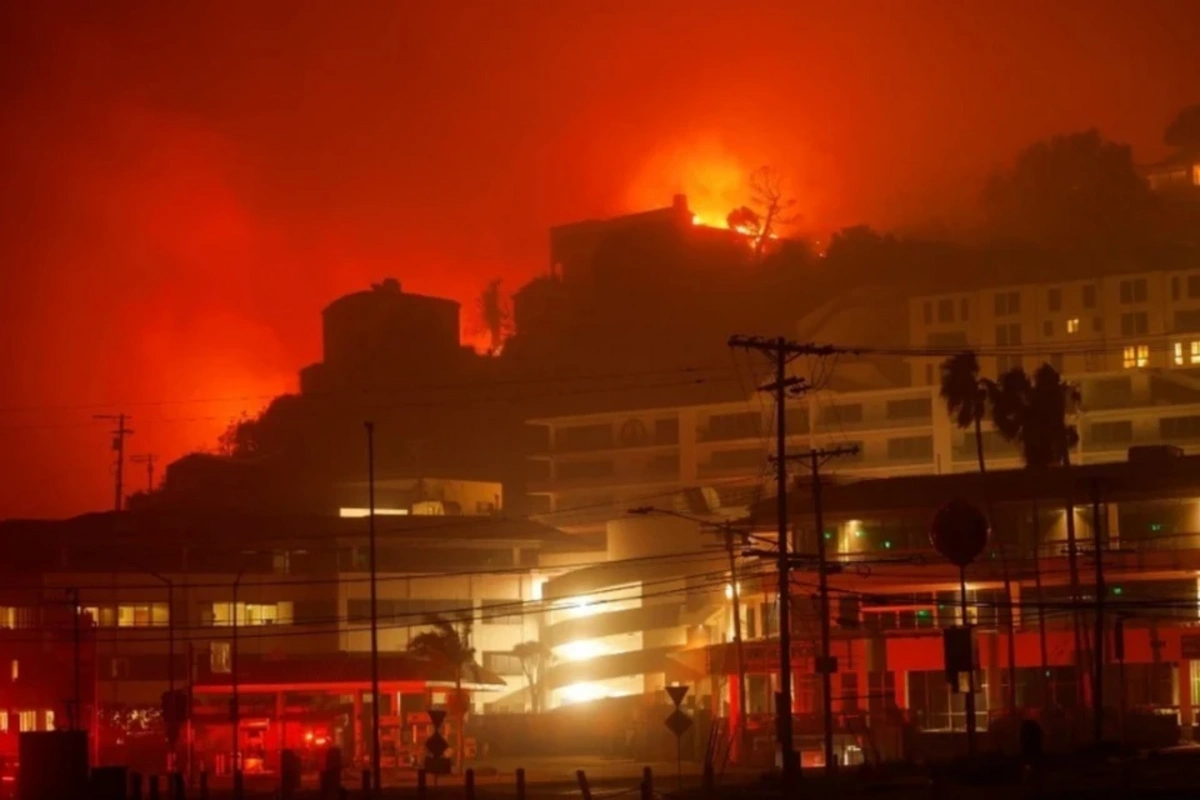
{"points": [[1077, 188], [1184, 130]]}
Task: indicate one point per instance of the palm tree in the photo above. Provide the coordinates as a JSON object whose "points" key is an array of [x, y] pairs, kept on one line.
{"points": [[967, 397], [1033, 414], [448, 646], [534, 657]]}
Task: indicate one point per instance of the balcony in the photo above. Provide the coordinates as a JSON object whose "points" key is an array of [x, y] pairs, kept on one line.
{"points": [[648, 467]]}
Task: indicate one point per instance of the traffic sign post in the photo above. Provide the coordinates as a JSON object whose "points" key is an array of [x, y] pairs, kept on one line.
{"points": [[678, 723], [436, 745]]}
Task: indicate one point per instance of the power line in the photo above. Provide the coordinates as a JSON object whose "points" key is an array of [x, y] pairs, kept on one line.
{"points": [[556, 377]]}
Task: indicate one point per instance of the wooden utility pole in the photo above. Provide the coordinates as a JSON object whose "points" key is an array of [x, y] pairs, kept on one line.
{"points": [[376, 767], [782, 352], [826, 664], [148, 459], [1098, 643], [118, 446]]}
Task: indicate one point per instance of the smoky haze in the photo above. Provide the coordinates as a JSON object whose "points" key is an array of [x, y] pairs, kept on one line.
{"points": [[186, 185]]}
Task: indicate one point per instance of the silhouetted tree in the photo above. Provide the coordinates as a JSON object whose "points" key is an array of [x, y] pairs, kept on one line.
{"points": [[1078, 188], [534, 657], [1184, 130], [448, 646], [967, 396], [770, 208], [495, 316], [1033, 413]]}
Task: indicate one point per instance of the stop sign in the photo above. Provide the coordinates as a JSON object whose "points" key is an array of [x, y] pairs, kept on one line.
{"points": [[959, 532]]}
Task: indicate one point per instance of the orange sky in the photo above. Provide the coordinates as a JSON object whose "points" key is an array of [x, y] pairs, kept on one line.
{"points": [[187, 184]]}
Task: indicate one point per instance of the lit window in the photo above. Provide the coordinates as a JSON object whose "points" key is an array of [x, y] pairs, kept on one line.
{"points": [[1073, 325], [1136, 356], [220, 658], [16, 669], [1194, 356], [1178, 350], [142, 616], [3, 722], [26, 721], [49, 719], [253, 614]]}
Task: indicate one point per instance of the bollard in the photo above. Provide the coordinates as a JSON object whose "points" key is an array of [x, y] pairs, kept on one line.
{"points": [[135, 786], [204, 784], [366, 783], [237, 784], [584, 790], [421, 784], [469, 784], [520, 783], [647, 784], [152, 787], [710, 779], [177, 786]]}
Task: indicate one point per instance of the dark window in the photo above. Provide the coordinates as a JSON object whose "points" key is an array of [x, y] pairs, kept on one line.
{"points": [[1193, 286], [1097, 325], [665, 464], [964, 309], [928, 312], [1008, 303], [848, 414], [1089, 296], [797, 420], [747, 425], [1054, 299], [501, 663], [666, 431], [737, 458], [586, 437], [945, 311], [1008, 335], [1187, 321], [770, 619], [1175, 288], [1135, 323], [578, 470], [914, 408], [1048, 327], [1133, 291], [1112, 432], [1179, 427], [910, 447], [1056, 361]]}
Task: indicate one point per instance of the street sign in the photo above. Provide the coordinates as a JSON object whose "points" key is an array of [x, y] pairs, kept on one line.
{"points": [[437, 716], [677, 693], [678, 722], [437, 745]]}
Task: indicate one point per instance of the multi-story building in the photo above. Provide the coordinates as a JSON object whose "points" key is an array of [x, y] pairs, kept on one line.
{"points": [[181, 597], [1130, 343]]}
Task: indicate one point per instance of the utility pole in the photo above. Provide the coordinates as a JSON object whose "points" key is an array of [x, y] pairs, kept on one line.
{"points": [[735, 599], [148, 459], [235, 713], [118, 446], [77, 657], [376, 768], [781, 350], [1098, 644], [826, 664]]}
